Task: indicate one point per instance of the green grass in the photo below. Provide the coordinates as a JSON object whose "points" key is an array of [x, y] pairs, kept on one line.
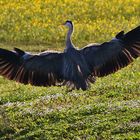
{"points": [[110, 109]]}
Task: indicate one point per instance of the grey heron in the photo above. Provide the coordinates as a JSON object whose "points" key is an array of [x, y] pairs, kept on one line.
{"points": [[76, 68]]}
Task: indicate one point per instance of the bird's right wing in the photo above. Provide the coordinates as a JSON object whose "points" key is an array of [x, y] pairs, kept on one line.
{"points": [[111, 56], [40, 70]]}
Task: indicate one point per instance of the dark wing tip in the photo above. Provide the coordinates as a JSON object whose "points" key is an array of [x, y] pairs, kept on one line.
{"points": [[19, 51], [132, 36], [120, 35]]}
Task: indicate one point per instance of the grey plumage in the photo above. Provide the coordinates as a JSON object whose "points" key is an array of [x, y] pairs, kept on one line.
{"points": [[75, 68]]}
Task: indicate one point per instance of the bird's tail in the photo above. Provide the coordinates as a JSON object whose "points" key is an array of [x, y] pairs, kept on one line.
{"points": [[132, 42], [81, 83]]}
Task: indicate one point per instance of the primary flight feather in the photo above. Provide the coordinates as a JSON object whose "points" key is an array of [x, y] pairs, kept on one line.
{"points": [[75, 68]]}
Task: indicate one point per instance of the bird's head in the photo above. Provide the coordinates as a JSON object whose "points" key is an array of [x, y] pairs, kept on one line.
{"points": [[68, 23]]}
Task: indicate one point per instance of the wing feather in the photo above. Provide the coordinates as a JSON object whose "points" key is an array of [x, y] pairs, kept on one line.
{"points": [[38, 70], [109, 57]]}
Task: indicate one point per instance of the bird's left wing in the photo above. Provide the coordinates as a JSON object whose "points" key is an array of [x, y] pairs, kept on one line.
{"points": [[109, 57], [40, 70]]}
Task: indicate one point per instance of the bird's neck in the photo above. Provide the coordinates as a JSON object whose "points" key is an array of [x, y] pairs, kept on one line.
{"points": [[69, 43]]}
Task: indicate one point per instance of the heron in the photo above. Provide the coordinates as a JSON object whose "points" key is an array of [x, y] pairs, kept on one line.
{"points": [[75, 68]]}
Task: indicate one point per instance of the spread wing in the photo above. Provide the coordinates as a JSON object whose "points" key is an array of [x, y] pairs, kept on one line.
{"points": [[40, 70], [111, 56]]}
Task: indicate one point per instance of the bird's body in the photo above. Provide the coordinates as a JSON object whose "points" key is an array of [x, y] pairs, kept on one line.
{"points": [[74, 68]]}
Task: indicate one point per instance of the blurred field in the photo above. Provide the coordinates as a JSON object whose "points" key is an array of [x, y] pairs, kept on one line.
{"points": [[109, 110], [37, 22]]}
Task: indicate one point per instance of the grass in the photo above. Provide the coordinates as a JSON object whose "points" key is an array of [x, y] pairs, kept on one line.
{"points": [[110, 109]]}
